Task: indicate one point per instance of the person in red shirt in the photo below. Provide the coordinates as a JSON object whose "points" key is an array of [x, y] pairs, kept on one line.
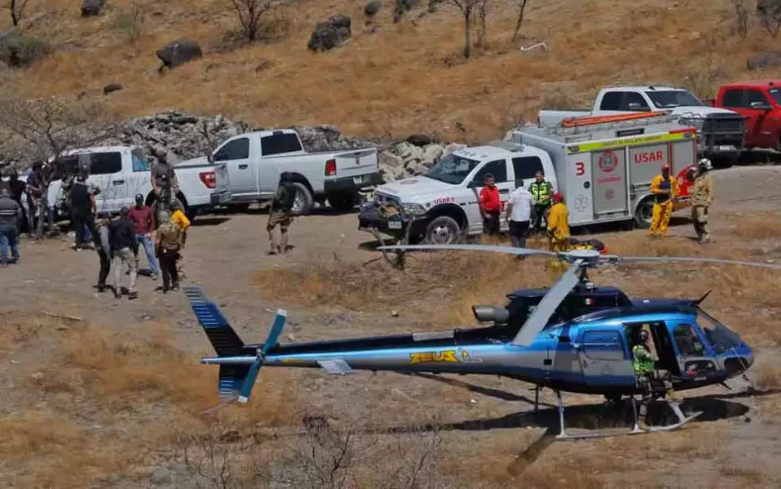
{"points": [[144, 220], [490, 206]]}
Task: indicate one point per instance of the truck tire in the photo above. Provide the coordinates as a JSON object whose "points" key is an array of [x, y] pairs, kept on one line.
{"points": [[644, 213], [442, 230], [344, 201], [304, 200]]}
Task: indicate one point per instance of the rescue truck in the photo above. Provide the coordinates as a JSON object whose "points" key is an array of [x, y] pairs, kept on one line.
{"points": [[603, 166]]}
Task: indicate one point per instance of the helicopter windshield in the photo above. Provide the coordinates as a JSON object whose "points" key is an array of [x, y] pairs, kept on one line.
{"points": [[719, 336]]}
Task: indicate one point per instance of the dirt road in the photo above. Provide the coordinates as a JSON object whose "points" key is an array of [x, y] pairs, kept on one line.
{"points": [[225, 252]]}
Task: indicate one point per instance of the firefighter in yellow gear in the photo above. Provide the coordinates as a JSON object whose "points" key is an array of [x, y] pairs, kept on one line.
{"points": [[702, 198], [558, 225], [664, 188]]}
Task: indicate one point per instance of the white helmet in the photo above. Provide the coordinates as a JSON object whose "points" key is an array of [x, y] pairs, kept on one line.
{"points": [[705, 164]]}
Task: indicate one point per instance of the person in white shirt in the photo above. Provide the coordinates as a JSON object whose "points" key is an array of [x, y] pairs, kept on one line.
{"points": [[520, 208]]}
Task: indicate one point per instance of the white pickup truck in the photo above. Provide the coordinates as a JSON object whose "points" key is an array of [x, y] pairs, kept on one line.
{"points": [[444, 204], [122, 172], [248, 168], [720, 131]]}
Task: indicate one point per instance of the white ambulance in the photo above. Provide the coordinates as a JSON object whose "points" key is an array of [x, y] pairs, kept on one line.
{"points": [[602, 165]]}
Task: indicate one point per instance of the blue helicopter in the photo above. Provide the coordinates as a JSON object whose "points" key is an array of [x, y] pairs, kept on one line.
{"points": [[571, 337]]}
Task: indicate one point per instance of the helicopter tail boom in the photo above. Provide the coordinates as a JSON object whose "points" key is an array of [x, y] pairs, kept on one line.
{"points": [[220, 333]]}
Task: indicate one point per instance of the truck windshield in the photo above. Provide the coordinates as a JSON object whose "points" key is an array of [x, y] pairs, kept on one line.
{"points": [[719, 336], [452, 169], [776, 93], [669, 99]]}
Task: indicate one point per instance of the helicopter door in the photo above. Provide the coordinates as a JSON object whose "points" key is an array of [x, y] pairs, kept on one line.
{"points": [[603, 358], [694, 358]]}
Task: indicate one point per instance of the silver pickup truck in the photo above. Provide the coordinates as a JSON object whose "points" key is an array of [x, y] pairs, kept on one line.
{"points": [[248, 168]]}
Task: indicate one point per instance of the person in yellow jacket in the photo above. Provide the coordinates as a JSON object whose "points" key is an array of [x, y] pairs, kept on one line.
{"points": [[558, 225], [702, 198], [180, 220], [664, 188]]}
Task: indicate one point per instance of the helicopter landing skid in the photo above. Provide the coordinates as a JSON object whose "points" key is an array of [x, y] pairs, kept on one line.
{"points": [[674, 406]]}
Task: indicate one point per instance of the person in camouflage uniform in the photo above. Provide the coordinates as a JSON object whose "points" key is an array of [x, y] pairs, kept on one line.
{"points": [[281, 213]]}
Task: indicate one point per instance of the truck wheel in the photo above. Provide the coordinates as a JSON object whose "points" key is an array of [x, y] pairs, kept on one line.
{"points": [[304, 201], [344, 201], [443, 230], [644, 214]]}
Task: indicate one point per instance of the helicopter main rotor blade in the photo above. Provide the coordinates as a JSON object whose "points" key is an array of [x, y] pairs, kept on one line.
{"points": [[547, 306], [692, 260], [509, 250]]}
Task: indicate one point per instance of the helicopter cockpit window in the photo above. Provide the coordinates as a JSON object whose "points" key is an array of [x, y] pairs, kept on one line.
{"points": [[688, 342], [718, 335]]}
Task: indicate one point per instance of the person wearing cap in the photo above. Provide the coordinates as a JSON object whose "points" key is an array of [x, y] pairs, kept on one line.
{"points": [[702, 198], [124, 249], [144, 221], [664, 188], [10, 215], [558, 225], [168, 243], [281, 213]]}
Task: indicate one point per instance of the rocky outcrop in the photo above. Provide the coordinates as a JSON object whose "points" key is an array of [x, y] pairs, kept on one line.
{"points": [[90, 8], [330, 34], [403, 160], [179, 136], [179, 52], [372, 8]]}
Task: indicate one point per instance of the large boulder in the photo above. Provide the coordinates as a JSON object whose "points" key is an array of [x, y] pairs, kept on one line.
{"points": [[372, 8], [179, 52], [330, 34], [768, 59], [91, 8]]}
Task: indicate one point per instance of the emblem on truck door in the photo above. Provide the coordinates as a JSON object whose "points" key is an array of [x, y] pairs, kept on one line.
{"points": [[581, 203], [608, 161]]}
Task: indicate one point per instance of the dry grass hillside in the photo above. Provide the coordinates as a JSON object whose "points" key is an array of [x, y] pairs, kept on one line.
{"points": [[406, 77]]}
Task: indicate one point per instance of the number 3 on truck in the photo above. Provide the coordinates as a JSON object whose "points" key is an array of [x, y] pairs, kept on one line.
{"points": [[580, 168]]}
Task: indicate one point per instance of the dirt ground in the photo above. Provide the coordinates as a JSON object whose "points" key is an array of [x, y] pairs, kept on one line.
{"points": [[489, 436]]}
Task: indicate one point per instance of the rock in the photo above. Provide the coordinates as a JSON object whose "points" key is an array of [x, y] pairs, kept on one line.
{"points": [[112, 87], [62, 327], [291, 337], [769, 59], [452, 147], [91, 8], [37, 377], [408, 152], [432, 153], [419, 140], [263, 66], [330, 34], [179, 52], [161, 477], [372, 8], [398, 395], [395, 313]]}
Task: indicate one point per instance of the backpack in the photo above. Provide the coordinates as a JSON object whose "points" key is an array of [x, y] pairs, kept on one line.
{"points": [[169, 237], [286, 196]]}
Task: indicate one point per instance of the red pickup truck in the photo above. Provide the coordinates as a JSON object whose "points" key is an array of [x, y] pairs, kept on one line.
{"points": [[759, 102]]}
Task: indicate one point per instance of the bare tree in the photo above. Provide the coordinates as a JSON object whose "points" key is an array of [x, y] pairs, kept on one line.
{"points": [[704, 76], [741, 17], [467, 8], [483, 8], [519, 22], [249, 13], [16, 9], [769, 12], [45, 129]]}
